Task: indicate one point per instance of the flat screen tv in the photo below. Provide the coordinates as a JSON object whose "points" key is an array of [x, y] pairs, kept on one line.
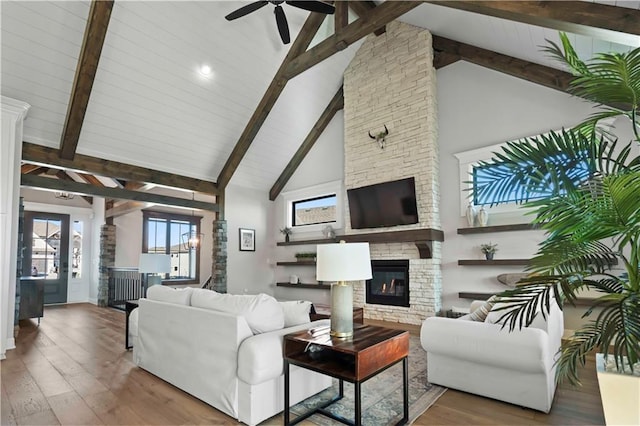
{"points": [[383, 204]]}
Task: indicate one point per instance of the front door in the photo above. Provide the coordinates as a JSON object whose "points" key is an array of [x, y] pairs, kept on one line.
{"points": [[46, 253]]}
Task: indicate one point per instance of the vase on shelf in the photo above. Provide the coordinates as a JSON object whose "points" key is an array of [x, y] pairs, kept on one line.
{"points": [[483, 217], [286, 238], [471, 214], [489, 256]]}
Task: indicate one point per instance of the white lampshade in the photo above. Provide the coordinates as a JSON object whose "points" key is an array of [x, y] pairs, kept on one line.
{"points": [[343, 262], [153, 263], [340, 263]]}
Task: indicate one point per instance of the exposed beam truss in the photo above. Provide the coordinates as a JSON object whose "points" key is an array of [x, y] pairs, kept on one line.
{"points": [[94, 35], [341, 39], [539, 74], [304, 38], [336, 104], [43, 155], [611, 23], [117, 193], [362, 8]]}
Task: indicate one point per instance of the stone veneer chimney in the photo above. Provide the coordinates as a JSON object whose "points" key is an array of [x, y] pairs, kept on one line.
{"points": [[391, 81]]}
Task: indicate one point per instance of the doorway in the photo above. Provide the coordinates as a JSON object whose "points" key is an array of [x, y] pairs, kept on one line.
{"points": [[46, 253]]}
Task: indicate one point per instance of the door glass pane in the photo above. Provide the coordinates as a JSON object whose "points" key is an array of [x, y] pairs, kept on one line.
{"points": [[76, 260], [45, 256]]}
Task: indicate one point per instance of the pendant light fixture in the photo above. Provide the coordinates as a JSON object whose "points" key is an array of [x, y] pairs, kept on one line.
{"points": [[192, 239]]}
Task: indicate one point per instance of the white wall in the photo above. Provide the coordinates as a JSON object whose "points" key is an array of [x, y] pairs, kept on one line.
{"points": [[249, 271], [477, 108], [324, 163]]}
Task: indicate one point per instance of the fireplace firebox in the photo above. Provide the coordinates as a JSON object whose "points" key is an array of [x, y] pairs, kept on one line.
{"points": [[389, 284]]}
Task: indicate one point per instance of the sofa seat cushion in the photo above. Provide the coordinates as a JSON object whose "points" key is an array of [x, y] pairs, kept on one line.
{"points": [[179, 296], [262, 312], [260, 357]]}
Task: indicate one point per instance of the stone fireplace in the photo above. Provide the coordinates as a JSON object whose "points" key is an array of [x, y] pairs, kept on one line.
{"points": [[391, 83]]}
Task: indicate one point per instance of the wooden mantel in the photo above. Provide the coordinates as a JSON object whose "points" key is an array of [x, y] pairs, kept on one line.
{"points": [[422, 238]]}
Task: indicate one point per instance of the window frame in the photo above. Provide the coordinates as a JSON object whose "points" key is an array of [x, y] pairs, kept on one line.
{"points": [[169, 217], [293, 210], [312, 192]]}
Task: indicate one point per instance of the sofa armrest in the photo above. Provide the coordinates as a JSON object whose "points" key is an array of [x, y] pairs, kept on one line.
{"points": [[483, 343], [260, 357]]}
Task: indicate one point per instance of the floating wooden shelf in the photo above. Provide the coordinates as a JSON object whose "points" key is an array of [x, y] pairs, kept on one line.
{"points": [[307, 242], [295, 263], [494, 262], [497, 228], [423, 239], [311, 286]]}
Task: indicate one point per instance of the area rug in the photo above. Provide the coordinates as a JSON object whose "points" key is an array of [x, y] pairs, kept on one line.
{"points": [[381, 395]]}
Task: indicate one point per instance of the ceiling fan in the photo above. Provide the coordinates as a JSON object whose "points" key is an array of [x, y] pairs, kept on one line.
{"points": [[281, 19]]}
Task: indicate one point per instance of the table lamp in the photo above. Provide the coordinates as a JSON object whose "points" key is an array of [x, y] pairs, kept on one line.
{"points": [[339, 264], [154, 264]]}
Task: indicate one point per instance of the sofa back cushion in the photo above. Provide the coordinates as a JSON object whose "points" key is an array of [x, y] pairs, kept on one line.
{"points": [[178, 296], [262, 312], [295, 312]]}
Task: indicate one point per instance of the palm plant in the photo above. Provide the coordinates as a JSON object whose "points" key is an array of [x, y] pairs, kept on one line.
{"points": [[583, 189]]}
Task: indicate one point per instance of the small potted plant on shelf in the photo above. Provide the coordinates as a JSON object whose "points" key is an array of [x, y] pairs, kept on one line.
{"points": [[305, 256], [286, 231], [489, 250]]}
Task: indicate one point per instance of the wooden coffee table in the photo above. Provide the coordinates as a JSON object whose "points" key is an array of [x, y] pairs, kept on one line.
{"points": [[369, 351]]}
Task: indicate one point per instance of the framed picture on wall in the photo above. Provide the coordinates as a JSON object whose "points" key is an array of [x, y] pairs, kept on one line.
{"points": [[247, 239]]}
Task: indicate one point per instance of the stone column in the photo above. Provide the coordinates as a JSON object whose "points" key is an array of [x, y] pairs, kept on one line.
{"points": [[107, 259], [219, 256]]}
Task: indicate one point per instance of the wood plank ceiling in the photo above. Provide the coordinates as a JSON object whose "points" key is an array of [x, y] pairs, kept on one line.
{"points": [[140, 111]]}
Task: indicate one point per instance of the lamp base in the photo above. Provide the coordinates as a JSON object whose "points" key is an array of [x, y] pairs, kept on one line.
{"points": [[341, 310]]}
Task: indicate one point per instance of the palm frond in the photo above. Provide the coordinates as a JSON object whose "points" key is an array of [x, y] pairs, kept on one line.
{"points": [[573, 353]]}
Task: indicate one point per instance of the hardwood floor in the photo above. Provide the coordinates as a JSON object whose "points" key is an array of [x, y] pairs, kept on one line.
{"points": [[73, 370]]}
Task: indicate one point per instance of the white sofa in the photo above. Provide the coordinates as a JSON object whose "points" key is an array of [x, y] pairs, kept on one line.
{"points": [[484, 359], [215, 356]]}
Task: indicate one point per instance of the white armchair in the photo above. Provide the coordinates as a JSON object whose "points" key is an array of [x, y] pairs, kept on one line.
{"points": [[485, 359]]}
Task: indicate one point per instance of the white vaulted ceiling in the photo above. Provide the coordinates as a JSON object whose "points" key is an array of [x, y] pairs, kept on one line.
{"points": [[150, 106]]}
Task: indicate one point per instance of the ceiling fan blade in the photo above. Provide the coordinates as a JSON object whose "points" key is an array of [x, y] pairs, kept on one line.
{"points": [[314, 6], [245, 10], [283, 26]]}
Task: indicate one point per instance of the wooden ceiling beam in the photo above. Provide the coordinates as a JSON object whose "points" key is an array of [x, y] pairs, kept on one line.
{"points": [[94, 35], [277, 85], [611, 23], [90, 179], [362, 8], [341, 39], [535, 73], [341, 15], [27, 168], [126, 208], [336, 104], [442, 59], [62, 175], [93, 165], [124, 194]]}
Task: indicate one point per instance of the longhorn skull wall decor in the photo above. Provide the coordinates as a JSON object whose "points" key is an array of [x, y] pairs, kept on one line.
{"points": [[379, 137]]}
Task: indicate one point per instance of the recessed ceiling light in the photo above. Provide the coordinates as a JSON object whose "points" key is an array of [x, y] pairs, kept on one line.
{"points": [[205, 70]]}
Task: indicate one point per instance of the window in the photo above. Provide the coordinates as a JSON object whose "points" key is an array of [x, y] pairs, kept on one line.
{"points": [[482, 174], [472, 173], [163, 233], [309, 210], [314, 210]]}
